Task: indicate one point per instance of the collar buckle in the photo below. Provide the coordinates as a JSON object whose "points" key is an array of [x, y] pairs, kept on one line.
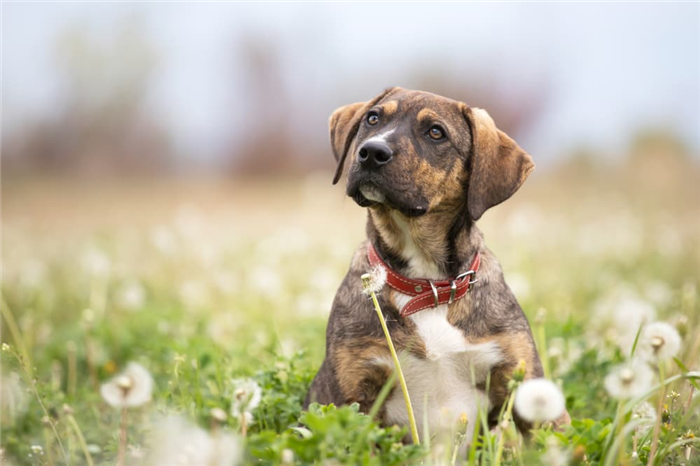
{"points": [[453, 285]]}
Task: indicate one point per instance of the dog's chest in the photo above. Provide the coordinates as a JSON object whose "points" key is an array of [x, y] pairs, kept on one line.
{"points": [[442, 385]]}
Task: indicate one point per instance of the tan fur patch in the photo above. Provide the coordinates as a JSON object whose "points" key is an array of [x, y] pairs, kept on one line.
{"points": [[426, 114], [390, 107], [364, 366]]}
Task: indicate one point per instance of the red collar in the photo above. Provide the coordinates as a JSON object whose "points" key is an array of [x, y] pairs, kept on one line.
{"points": [[426, 293]]}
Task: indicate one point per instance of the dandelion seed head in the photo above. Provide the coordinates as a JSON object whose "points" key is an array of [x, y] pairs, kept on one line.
{"points": [[539, 400], [131, 295], [555, 454], [97, 263], [287, 456], [246, 397], [628, 380], [131, 388], [178, 442], [218, 414], [13, 398], [375, 280], [645, 413], [659, 341]]}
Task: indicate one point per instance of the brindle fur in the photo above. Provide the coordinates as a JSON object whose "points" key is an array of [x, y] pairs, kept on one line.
{"points": [[439, 190]]}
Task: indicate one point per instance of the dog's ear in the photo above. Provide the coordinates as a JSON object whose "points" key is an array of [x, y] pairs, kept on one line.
{"points": [[498, 165], [344, 124]]}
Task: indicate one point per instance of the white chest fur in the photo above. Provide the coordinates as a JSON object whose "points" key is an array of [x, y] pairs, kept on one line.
{"points": [[442, 386]]}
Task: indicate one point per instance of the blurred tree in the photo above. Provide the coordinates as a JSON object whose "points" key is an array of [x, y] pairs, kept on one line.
{"points": [[102, 127]]}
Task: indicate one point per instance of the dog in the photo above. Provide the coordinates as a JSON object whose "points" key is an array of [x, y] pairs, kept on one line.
{"points": [[426, 168]]}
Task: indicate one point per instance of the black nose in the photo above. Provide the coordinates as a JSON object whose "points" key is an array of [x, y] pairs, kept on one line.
{"points": [[374, 154]]}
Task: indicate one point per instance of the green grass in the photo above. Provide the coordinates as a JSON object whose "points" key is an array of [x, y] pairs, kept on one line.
{"points": [[200, 300]]}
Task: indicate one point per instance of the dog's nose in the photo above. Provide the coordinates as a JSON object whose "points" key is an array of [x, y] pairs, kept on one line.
{"points": [[374, 154]]}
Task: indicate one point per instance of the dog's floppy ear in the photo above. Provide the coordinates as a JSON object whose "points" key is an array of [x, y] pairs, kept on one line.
{"points": [[344, 124], [498, 165]]}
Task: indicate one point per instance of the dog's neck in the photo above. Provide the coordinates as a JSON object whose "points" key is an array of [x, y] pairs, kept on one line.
{"points": [[436, 245]]}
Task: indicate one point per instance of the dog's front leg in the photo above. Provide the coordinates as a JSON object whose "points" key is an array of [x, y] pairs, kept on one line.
{"points": [[363, 367]]}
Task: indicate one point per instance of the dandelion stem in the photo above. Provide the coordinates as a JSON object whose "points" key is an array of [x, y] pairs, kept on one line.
{"points": [[244, 425], [28, 373], [81, 439], [402, 380], [542, 346], [121, 458], [17, 336], [506, 417], [659, 416]]}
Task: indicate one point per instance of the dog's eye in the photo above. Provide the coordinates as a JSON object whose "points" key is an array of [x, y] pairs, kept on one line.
{"points": [[372, 118], [436, 132]]}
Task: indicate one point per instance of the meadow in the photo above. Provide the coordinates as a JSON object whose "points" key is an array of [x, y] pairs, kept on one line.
{"points": [[219, 292]]}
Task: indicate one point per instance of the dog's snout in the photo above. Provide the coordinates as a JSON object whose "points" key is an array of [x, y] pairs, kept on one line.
{"points": [[374, 154]]}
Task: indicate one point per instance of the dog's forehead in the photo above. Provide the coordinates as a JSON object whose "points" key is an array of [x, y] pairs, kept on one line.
{"points": [[420, 105]]}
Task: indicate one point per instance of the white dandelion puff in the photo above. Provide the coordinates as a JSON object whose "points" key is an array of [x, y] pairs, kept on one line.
{"points": [[176, 442], [131, 295], [646, 414], [377, 280], [13, 398], [628, 380], [164, 240], [133, 387], [287, 456], [97, 263], [539, 400], [246, 397], [555, 455], [659, 341]]}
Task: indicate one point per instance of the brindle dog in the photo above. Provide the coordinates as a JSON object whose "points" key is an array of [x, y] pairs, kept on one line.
{"points": [[427, 168]]}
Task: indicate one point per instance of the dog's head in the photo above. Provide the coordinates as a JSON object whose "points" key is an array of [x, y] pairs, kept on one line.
{"points": [[419, 152]]}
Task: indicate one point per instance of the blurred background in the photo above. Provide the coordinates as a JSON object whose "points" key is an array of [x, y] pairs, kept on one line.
{"points": [[151, 90]]}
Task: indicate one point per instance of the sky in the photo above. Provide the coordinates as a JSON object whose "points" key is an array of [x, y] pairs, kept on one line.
{"points": [[610, 69]]}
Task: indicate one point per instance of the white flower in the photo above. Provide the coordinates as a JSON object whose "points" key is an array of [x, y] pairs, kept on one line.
{"points": [[131, 295], [377, 280], [177, 442], [13, 398], [133, 387], [629, 380], [246, 397], [194, 294], [287, 456], [37, 450], [539, 400], [659, 341], [645, 413], [626, 311], [265, 280], [164, 240], [555, 455], [33, 273], [97, 263]]}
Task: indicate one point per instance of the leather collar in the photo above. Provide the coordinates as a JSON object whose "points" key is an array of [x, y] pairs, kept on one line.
{"points": [[426, 293]]}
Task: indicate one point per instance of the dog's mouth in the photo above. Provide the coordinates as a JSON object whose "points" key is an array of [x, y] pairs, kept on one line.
{"points": [[369, 194]]}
